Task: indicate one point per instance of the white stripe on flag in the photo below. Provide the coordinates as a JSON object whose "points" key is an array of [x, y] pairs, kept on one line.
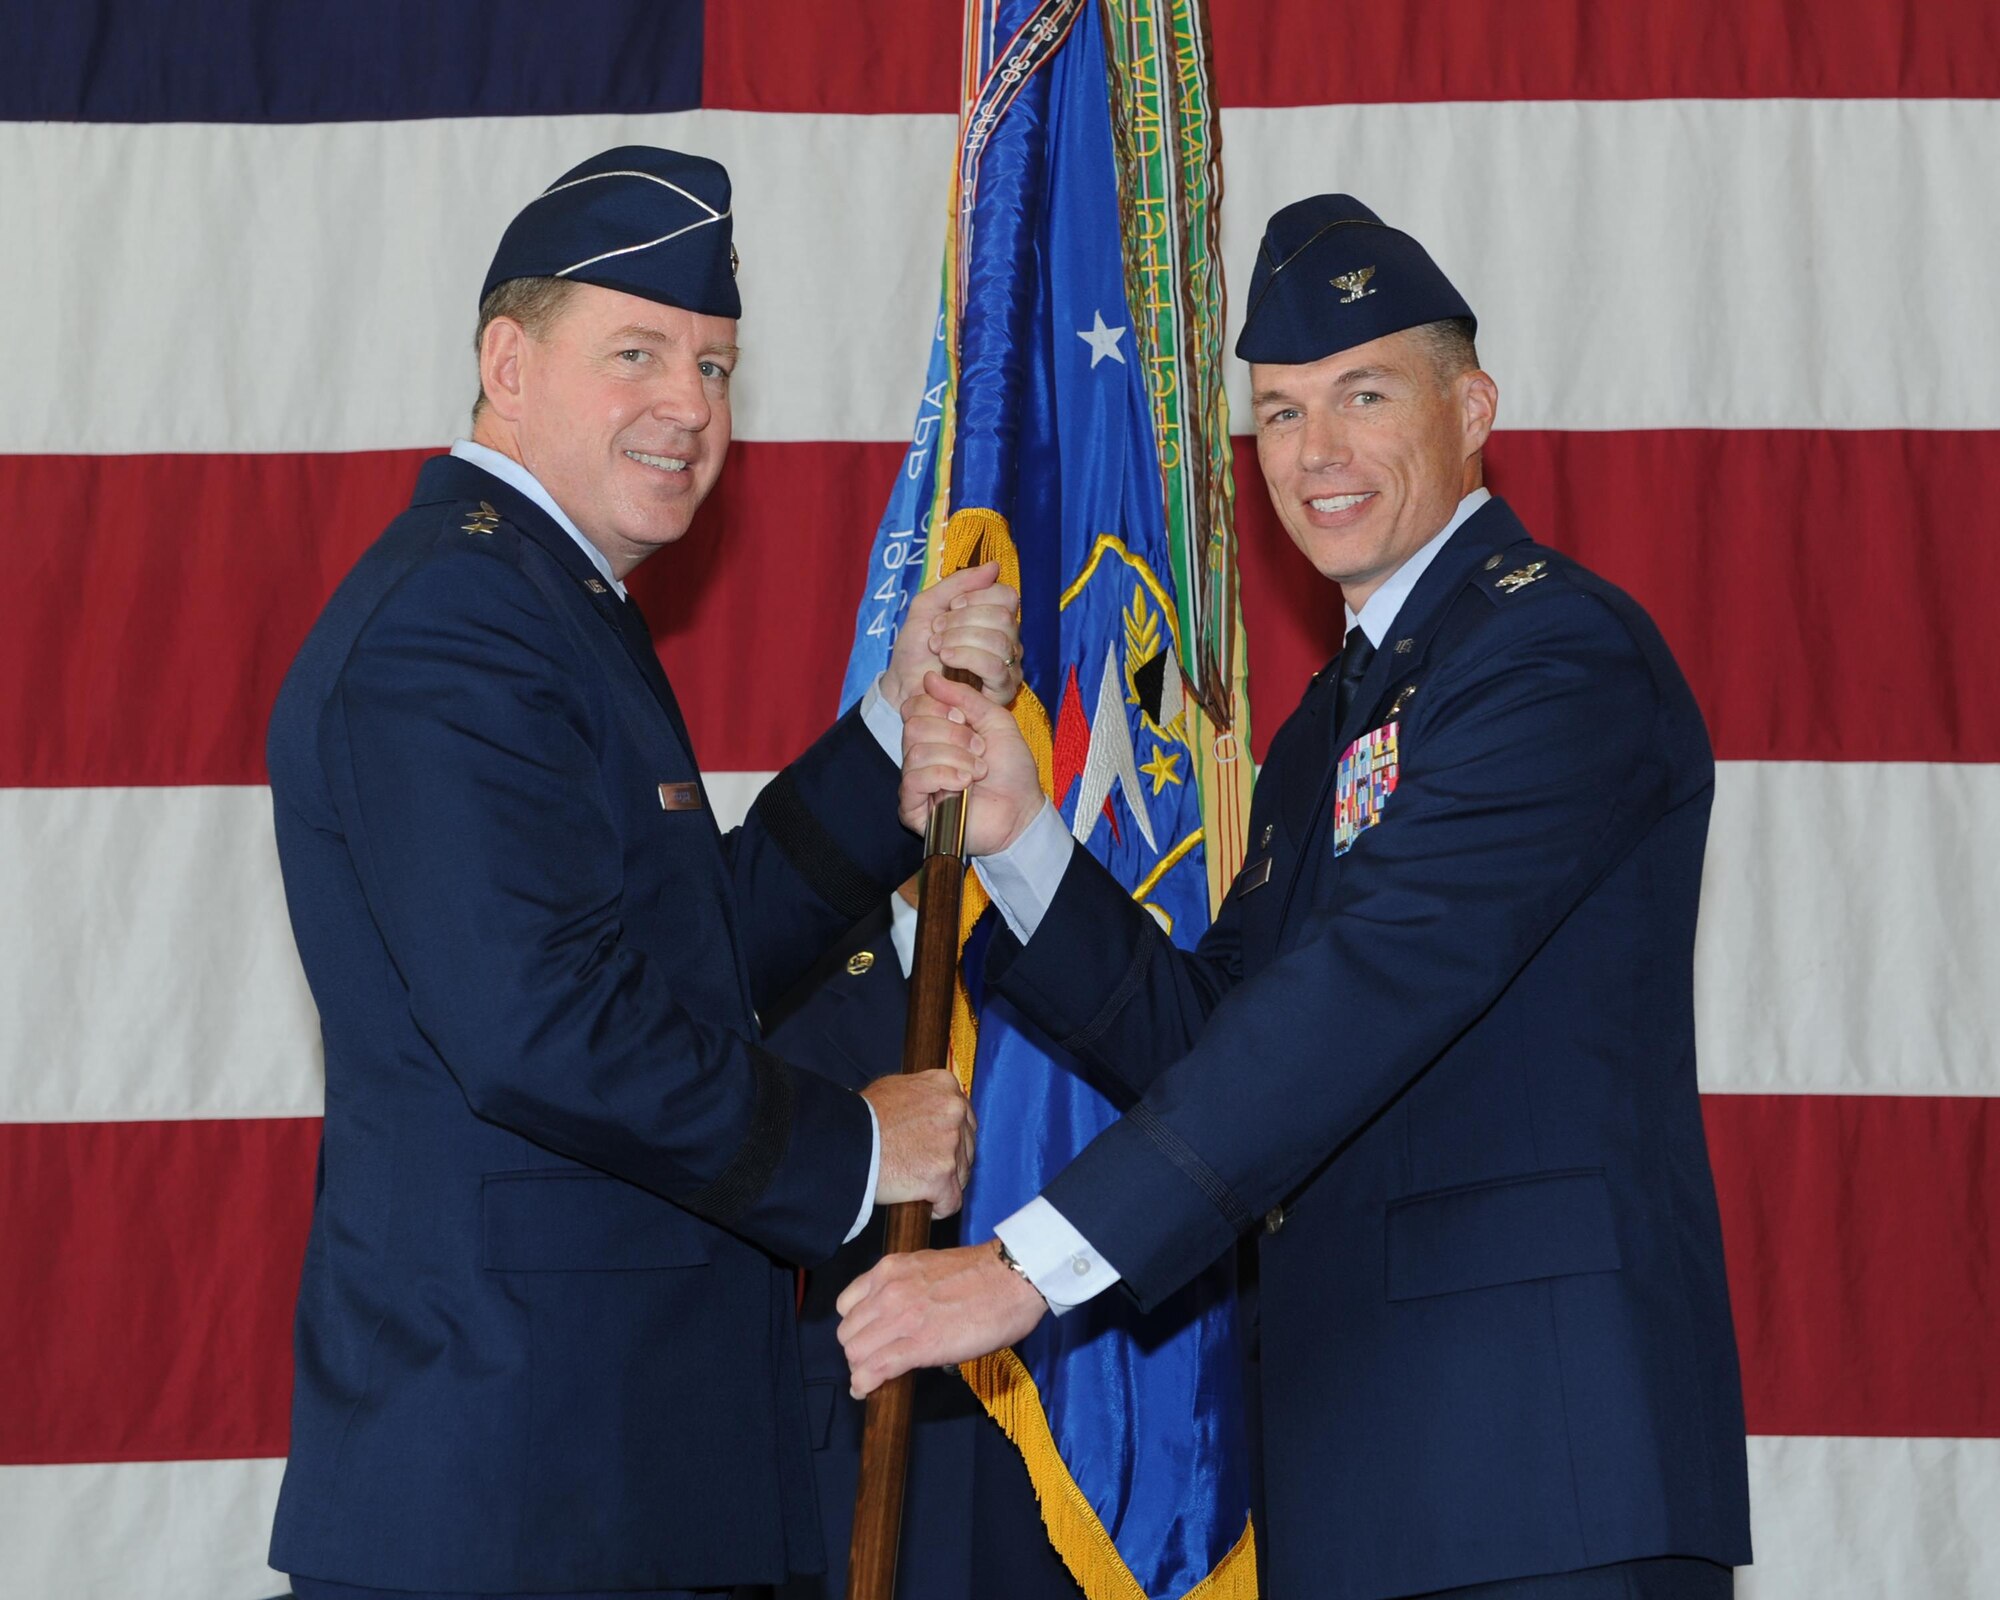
{"points": [[1635, 264], [148, 970], [161, 1530], [1832, 1519], [1872, 1519], [1850, 929]]}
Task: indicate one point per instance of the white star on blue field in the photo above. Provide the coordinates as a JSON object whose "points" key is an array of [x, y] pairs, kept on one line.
{"points": [[1103, 341]]}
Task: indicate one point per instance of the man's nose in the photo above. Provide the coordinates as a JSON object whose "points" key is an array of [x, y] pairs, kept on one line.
{"points": [[683, 399], [1322, 443]]}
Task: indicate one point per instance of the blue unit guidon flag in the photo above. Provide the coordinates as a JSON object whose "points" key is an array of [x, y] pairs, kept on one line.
{"points": [[1051, 428]]}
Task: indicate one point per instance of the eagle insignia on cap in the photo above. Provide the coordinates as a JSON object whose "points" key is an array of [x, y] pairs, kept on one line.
{"points": [[1355, 283]]}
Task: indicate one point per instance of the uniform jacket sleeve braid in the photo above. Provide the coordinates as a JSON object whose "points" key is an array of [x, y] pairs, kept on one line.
{"points": [[821, 849], [1123, 999]]}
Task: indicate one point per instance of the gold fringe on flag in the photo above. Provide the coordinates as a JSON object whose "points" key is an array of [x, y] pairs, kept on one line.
{"points": [[1007, 1391], [1004, 1385]]}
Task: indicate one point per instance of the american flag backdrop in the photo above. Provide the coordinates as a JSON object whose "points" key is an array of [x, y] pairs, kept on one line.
{"points": [[1735, 263]]}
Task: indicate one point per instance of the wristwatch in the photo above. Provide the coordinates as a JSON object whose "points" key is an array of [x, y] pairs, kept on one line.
{"points": [[1007, 1260]]}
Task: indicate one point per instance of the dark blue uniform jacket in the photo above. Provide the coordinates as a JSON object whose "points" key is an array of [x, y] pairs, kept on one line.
{"points": [[545, 1335], [1451, 1071]]}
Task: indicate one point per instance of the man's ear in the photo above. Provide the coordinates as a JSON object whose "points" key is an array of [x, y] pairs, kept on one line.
{"points": [[501, 350], [1479, 404]]}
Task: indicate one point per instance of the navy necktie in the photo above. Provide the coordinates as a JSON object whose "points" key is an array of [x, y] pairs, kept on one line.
{"points": [[1355, 656]]}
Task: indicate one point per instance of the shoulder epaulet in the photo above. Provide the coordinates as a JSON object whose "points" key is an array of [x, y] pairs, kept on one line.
{"points": [[1506, 575], [481, 520], [477, 524]]}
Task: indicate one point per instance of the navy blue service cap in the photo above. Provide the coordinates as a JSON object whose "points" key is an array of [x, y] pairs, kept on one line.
{"points": [[1330, 275], [641, 220]]}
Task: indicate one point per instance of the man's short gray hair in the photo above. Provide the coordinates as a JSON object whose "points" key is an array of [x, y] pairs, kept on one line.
{"points": [[1450, 345]]}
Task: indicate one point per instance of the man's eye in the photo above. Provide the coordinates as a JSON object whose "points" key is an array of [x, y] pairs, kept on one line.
{"points": [[714, 369], [1367, 397], [634, 357], [1275, 417]]}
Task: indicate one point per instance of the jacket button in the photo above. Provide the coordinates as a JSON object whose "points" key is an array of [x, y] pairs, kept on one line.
{"points": [[1274, 1219]]}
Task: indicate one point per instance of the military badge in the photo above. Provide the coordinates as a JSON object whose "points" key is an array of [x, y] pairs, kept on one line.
{"points": [[1354, 285], [1362, 785]]}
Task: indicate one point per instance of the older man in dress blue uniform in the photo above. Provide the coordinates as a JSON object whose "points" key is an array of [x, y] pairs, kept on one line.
{"points": [[1437, 1049], [545, 1336]]}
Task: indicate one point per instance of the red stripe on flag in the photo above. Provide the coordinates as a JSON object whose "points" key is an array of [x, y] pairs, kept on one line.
{"points": [[1825, 592], [1862, 1255], [158, 1262], [162, 597], [1301, 52], [887, 55], [164, 1258]]}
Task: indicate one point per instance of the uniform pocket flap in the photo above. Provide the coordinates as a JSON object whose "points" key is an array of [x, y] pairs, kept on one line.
{"points": [[1543, 1225], [582, 1222]]}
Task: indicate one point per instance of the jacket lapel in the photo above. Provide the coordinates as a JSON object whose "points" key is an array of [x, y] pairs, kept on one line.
{"points": [[448, 478], [1399, 664]]}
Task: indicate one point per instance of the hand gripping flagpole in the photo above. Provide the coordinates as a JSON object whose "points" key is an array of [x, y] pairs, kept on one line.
{"points": [[885, 1428]]}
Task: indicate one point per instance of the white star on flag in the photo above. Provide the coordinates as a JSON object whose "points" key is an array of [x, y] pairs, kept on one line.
{"points": [[1103, 341]]}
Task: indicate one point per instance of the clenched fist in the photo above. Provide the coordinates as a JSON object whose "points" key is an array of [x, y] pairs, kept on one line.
{"points": [[932, 1308], [954, 738], [970, 621], [927, 1139]]}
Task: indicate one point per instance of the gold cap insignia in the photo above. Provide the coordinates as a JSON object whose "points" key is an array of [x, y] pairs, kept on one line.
{"points": [[860, 962], [1355, 284], [1521, 577]]}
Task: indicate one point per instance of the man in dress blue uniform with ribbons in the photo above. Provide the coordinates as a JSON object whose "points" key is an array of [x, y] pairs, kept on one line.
{"points": [[545, 1338], [1437, 1051]]}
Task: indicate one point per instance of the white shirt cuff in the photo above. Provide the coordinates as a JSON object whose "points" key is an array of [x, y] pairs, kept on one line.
{"points": [[1057, 1259], [1023, 878], [874, 1173], [883, 720], [903, 932]]}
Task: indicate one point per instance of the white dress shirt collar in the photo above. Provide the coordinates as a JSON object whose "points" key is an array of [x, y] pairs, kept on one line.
{"points": [[1379, 614], [512, 473]]}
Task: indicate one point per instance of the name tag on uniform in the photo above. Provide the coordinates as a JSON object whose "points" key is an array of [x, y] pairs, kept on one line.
{"points": [[1362, 785], [680, 797], [1254, 876]]}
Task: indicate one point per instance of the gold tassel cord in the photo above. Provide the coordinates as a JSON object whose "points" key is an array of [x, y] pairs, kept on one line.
{"points": [[973, 535]]}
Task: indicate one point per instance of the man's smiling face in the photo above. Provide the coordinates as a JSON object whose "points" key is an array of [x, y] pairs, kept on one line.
{"points": [[1367, 452], [622, 413]]}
